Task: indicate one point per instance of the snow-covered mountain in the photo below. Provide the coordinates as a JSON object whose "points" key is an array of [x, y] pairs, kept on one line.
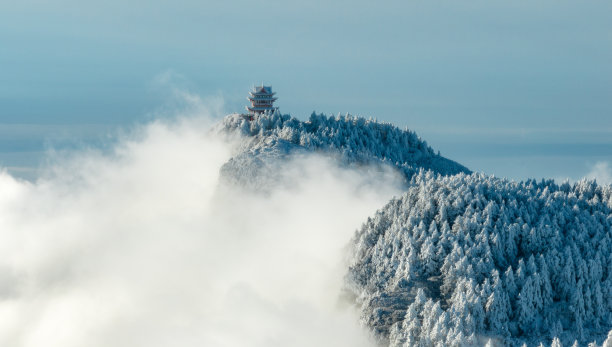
{"points": [[459, 259], [267, 139], [463, 259]]}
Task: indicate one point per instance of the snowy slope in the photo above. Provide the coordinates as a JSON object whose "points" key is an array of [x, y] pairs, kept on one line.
{"points": [[462, 259], [269, 138]]}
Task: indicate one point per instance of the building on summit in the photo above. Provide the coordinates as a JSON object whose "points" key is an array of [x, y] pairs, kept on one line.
{"points": [[262, 100]]}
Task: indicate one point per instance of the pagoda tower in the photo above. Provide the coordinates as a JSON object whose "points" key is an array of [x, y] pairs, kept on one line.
{"points": [[262, 100]]}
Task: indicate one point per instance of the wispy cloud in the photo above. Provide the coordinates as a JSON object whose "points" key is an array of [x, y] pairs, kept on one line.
{"points": [[601, 172]]}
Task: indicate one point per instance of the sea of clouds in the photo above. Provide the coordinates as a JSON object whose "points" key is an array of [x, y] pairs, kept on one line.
{"points": [[142, 245]]}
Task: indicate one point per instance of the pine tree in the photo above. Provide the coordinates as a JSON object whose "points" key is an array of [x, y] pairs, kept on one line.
{"points": [[546, 287], [526, 306], [556, 342], [498, 308], [577, 309], [510, 285], [556, 330], [568, 279]]}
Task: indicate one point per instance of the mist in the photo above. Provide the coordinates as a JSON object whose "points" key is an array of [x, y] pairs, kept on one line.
{"points": [[601, 172], [144, 245]]}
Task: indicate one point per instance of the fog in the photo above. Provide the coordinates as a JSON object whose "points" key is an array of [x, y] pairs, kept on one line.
{"points": [[141, 245]]}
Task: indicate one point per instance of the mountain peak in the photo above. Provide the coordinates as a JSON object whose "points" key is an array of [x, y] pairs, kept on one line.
{"points": [[356, 140]]}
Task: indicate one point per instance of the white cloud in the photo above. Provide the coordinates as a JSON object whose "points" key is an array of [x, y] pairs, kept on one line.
{"points": [[601, 172], [142, 247]]}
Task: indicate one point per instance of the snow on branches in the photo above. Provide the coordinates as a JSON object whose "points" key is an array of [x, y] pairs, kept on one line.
{"points": [[472, 257]]}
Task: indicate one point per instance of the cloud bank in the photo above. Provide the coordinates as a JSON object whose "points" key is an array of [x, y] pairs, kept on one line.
{"points": [[141, 246]]}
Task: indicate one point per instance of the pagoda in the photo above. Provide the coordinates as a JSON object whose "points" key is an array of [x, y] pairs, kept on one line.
{"points": [[262, 100]]}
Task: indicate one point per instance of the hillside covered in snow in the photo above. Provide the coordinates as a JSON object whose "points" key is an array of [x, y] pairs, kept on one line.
{"points": [[460, 259], [471, 259], [267, 139]]}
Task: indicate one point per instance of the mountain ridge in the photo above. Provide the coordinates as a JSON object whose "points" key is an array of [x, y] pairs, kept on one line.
{"points": [[460, 258], [269, 137]]}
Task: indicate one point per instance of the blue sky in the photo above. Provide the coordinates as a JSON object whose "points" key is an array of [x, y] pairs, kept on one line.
{"points": [[514, 88]]}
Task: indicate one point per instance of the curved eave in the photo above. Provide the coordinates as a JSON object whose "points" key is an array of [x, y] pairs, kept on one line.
{"points": [[259, 93], [260, 108], [266, 99]]}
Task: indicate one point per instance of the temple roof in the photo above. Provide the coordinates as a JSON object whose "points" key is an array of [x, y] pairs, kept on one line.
{"points": [[262, 89], [254, 97]]}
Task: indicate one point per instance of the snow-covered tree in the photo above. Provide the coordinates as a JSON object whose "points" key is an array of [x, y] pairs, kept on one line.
{"points": [[516, 260]]}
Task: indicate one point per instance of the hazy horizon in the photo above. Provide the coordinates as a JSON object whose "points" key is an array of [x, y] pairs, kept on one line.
{"points": [[532, 80]]}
